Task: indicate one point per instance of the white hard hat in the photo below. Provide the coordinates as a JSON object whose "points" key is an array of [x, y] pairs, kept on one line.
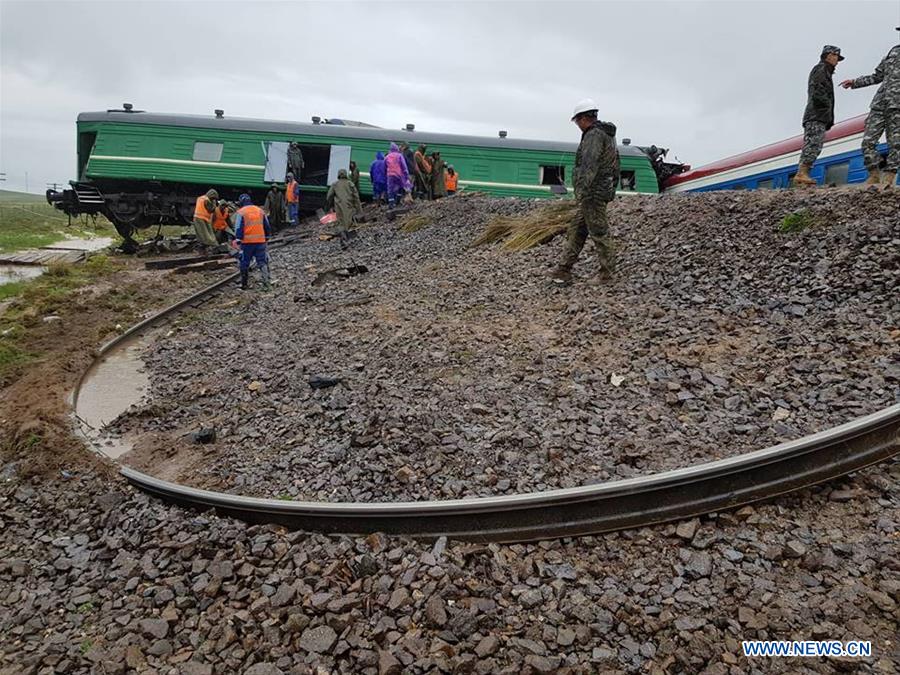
{"points": [[583, 106]]}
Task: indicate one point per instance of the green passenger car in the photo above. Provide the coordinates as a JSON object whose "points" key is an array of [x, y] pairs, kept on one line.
{"points": [[141, 169]]}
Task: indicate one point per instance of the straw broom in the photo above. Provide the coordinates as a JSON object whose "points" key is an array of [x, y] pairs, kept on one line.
{"points": [[519, 233], [413, 223]]}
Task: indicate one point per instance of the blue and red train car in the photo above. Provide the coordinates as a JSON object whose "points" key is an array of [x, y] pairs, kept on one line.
{"points": [[774, 165]]}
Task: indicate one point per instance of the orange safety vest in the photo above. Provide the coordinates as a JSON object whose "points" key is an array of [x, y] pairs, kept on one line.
{"points": [[254, 224], [200, 210], [291, 192], [220, 219], [450, 181]]}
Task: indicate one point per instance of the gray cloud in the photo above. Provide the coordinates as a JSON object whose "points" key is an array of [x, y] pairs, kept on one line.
{"points": [[705, 79]]}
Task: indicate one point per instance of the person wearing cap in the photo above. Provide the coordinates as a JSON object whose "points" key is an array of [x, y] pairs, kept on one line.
{"points": [[819, 114], [595, 179], [884, 117], [295, 159], [251, 232], [451, 180], [344, 199], [275, 207], [204, 209]]}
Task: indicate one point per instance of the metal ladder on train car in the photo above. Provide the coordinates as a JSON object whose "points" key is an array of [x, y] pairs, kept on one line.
{"points": [[89, 196]]}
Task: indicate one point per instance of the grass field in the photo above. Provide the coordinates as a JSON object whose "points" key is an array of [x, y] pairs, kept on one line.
{"points": [[28, 221]]}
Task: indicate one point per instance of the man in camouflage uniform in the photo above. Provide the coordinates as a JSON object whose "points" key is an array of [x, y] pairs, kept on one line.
{"points": [[884, 116], [595, 179], [819, 114]]}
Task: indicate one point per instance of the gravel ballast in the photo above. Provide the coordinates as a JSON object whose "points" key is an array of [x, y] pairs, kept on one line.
{"points": [[457, 372]]}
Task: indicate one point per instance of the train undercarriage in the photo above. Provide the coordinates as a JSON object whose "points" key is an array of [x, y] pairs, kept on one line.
{"points": [[132, 206]]}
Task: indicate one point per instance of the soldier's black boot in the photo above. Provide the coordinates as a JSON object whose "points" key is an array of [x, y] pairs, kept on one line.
{"points": [[244, 276]]}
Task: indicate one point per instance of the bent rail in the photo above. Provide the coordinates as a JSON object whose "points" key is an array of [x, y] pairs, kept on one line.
{"points": [[592, 509]]}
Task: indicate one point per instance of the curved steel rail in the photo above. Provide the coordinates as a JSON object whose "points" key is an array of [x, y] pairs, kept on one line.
{"points": [[590, 509]]}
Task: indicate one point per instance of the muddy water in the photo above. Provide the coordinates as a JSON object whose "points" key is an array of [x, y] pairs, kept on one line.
{"points": [[11, 273], [110, 387], [92, 244]]}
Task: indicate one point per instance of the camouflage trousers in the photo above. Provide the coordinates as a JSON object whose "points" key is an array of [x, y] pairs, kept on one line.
{"points": [[813, 139], [590, 219], [878, 122]]}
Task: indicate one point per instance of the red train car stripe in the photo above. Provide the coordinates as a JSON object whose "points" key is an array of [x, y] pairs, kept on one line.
{"points": [[849, 127]]}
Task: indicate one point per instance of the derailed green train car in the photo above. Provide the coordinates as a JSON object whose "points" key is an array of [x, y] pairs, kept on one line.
{"points": [[141, 169]]}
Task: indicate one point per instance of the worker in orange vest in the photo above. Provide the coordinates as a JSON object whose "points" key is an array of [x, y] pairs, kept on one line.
{"points": [[203, 217], [221, 223], [451, 180], [292, 194], [251, 231]]}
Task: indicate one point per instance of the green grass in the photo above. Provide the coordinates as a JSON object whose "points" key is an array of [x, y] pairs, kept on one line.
{"points": [[797, 222], [11, 289], [35, 224], [38, 298], [21, 197]]}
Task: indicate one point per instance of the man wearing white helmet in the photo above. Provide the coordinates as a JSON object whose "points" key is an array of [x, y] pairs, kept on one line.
{"points": [[595, 179]]}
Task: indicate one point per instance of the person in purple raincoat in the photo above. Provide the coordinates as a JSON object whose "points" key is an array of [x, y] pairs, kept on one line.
{"points": [[378, 174], [397, 174]]}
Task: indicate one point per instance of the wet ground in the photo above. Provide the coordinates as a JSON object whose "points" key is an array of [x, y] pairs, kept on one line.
{"points": [[110, 388], [13, 273]]}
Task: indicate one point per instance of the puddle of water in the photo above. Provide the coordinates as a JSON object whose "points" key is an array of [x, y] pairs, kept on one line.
{"points": [[111, 387], [92, 244], [12, 273]]}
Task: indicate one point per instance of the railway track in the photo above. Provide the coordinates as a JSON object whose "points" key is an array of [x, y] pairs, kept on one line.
{"points": [[591, 509]]}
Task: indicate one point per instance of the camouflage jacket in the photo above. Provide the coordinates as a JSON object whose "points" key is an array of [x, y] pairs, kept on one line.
{"points": [[596, 173], [820, 95], [888, 75]]}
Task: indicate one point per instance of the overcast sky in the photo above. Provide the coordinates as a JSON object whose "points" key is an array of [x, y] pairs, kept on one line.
{"points": [[706, 79]]}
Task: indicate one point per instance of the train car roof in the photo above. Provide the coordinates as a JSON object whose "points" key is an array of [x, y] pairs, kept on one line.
{"points": [[334, 130], [849, 127]]}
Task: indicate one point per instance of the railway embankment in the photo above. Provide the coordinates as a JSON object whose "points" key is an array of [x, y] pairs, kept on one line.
{"points": [[736, 321], [460, 371]]}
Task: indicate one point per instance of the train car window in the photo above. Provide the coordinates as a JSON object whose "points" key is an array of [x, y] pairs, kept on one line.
{"points": [[207, 152], [766, 184], [553, 175], [837, 174], [627, 181]]}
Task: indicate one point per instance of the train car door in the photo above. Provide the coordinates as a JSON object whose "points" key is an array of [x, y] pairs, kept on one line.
{"points": [[339, 159], [276, 162]]}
